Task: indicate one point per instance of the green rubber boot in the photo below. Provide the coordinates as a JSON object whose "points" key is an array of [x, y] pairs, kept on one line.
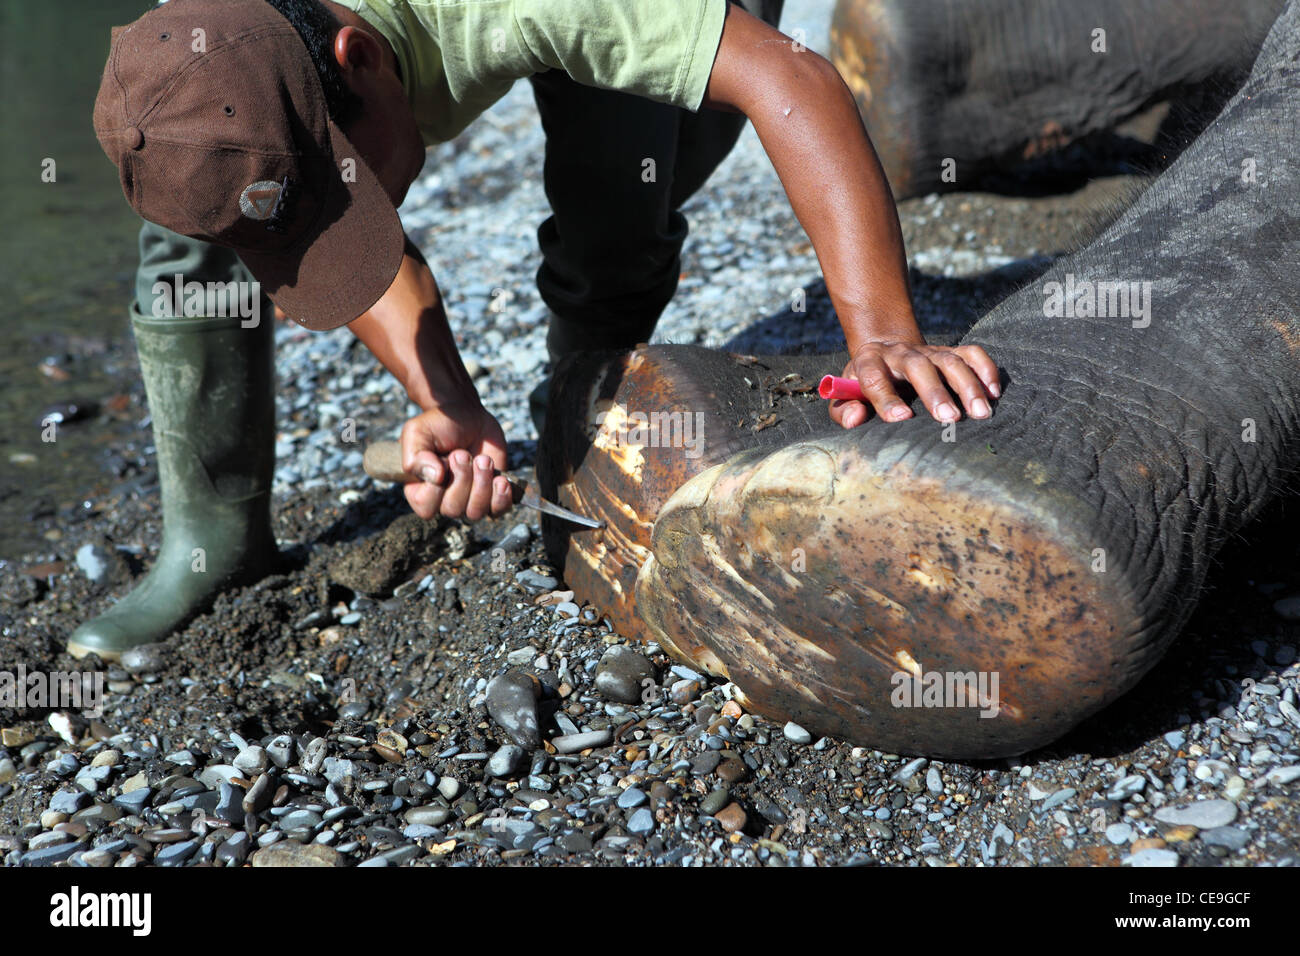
{"points": [[210, 385]]}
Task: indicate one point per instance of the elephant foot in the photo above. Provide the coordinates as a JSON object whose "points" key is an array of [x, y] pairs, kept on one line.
{"points": [[920, 609], [882, 584]]}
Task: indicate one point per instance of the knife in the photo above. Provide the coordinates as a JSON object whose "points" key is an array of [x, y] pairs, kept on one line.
{"points": [[383, 462]]}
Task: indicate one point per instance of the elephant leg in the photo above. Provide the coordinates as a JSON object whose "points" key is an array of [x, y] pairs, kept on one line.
{"points": [[1151, 408], [955, 90]]}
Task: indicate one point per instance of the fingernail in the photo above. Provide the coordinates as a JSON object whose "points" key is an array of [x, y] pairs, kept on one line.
{"points": [[946, 412], [979, 408], [428, 474], [897, 411], [994, 389], [483, 463]]}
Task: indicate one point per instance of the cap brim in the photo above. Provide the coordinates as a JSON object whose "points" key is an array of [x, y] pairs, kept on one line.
{"points": [[337, 275]]}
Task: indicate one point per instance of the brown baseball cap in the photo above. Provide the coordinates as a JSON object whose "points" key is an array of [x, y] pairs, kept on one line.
{"points": [[215, 117]]}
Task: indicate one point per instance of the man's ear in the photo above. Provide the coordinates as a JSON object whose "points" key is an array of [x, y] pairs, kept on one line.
{"points": [[356, 49]]}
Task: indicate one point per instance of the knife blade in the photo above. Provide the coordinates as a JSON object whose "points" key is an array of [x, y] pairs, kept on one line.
{"points": [[383, 462]]}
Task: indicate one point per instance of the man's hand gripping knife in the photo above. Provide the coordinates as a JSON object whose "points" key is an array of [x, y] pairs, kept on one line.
{"points": [[455, 444]]}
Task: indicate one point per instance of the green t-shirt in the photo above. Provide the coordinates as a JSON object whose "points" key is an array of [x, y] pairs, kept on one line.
{"points": [[458, 57]]}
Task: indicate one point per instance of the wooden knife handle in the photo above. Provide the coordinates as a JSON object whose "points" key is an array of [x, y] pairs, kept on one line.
{"points": [[383, 462]]}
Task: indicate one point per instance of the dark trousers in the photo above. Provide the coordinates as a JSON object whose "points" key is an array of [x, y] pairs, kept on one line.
{"points": [[611, 250]]}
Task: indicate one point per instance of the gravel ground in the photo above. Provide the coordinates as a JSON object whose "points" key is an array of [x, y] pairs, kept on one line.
{"points": [[411, 693]]}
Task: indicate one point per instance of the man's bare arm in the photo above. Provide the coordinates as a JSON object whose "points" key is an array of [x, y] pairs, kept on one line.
{"points": [[454, 441], [809, 124]]}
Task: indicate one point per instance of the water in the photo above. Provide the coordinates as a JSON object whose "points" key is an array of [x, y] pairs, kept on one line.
{"points": [[67, 257]]}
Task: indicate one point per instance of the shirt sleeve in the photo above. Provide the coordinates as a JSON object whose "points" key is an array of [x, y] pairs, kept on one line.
{"points": [[458, 57], [660, 49]]}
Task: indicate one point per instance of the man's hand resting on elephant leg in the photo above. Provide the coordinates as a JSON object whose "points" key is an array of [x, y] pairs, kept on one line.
{"points": [[458, 451], [880, 367]]}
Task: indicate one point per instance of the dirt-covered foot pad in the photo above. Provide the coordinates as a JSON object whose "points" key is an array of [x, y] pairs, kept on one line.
{"points": [[892, 601]]}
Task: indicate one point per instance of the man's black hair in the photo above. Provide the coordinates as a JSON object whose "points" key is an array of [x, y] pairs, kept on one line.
{"points": [[317, 27]]}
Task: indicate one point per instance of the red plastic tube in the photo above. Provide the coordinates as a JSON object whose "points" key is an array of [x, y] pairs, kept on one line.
{"points": [[833, 387]]}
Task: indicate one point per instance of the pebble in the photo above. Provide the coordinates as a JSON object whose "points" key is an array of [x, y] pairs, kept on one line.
{"points": [[299, 818], [631, 798], [175, 854], [397, 856], [339, 772], [1151, 858], [1175, 739], [732, 818], [535, 583], [1288, 608], [314, 754], [98, 815], [575, 842], [641, 823], [449, 787], [506, 761], [70, 801], [258, 797], [105, 758], [1289, 711], [48, 856], [433, 816], [733, 771], [1058, 798], [235, 850], [879, 830], [620, 674], [280, 752], [252, 760], [49, 838], [512, 703], [1281, 776], [134, 801], [796, 734], [1204, 815], [574, 743], [95, 562], [290, 853], [1119, 833], [934, 781], [705, 763], [144, 658], [1230, 838], [515, 540], [910, 769], [217, 774], [714, 802], [1126, 787], [684, 691]]}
